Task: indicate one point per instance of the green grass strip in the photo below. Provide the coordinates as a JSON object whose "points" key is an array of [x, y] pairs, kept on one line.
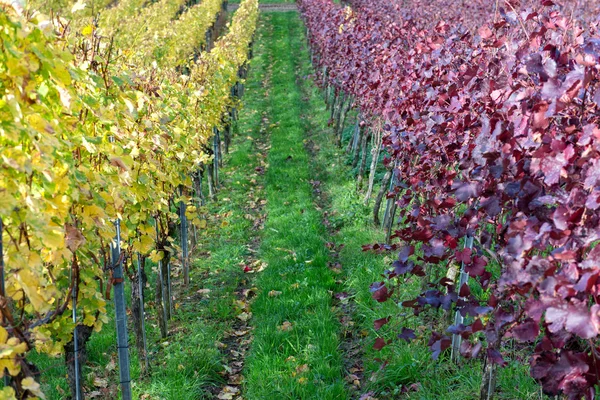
{"points": [[295, 353]]}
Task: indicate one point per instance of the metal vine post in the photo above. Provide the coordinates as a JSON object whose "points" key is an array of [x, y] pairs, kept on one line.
{"points": [[121, 315]]}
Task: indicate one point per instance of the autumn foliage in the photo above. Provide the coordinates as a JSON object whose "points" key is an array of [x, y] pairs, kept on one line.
{"points": [[492, 127]]}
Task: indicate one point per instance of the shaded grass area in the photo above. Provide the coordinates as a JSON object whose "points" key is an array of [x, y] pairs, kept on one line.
{"points": [[295, 354]]}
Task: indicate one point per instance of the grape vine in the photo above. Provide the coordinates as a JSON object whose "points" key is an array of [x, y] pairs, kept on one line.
{"points": [[92, 132], [492, 130]]}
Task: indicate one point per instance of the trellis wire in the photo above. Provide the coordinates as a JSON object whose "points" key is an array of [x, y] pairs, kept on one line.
{"points": [[121, 315], [458, 318]]}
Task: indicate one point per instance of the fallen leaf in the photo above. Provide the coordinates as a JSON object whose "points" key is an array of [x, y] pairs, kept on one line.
{"points": [[228, 393], [286, 326], [100, 382], [111, 366], [235, 379], [274, 293], [302, 368], [245, 316]]}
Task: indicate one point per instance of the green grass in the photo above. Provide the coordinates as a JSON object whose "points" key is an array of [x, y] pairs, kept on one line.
{"points": [[295, 354]]}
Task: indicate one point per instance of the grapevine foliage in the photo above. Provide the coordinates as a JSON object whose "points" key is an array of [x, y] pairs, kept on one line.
{"points": [[93, 130], [493, 133]]}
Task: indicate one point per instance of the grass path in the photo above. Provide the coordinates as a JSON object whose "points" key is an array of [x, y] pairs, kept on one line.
{"points": [[295, 353]]}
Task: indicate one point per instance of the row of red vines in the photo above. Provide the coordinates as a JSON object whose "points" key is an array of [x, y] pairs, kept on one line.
{"points": [[494, 134]]}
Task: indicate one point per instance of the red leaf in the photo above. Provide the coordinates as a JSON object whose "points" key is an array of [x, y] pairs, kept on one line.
{"points": [[379, 344], [464, 255], [380, 322], [464, 290]]}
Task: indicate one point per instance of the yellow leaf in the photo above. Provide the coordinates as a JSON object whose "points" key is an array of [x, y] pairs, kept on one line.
{"points": [[156, 256], [34, 387], [53, 239], [87, 31], [89, 320], [7, 393], [144, 245]]}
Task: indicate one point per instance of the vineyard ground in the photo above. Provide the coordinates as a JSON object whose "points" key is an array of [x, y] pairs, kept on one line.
{"points": [[296, 105], [310, 304]]}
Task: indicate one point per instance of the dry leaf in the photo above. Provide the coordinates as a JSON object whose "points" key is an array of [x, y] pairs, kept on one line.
{"points": [[286, 326], [74, 239], [302, 368], [235, 379], [228, 393], [100, 382], [274, 293], [111, 366], [245, 316]]}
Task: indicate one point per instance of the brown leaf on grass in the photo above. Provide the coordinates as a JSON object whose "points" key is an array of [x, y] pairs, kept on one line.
{"points": [[302, 368], [111, 366], [228, 393], [274, 293], [245, 316], [100, 382], [236, 379], [286, 326], [353, 379]]}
